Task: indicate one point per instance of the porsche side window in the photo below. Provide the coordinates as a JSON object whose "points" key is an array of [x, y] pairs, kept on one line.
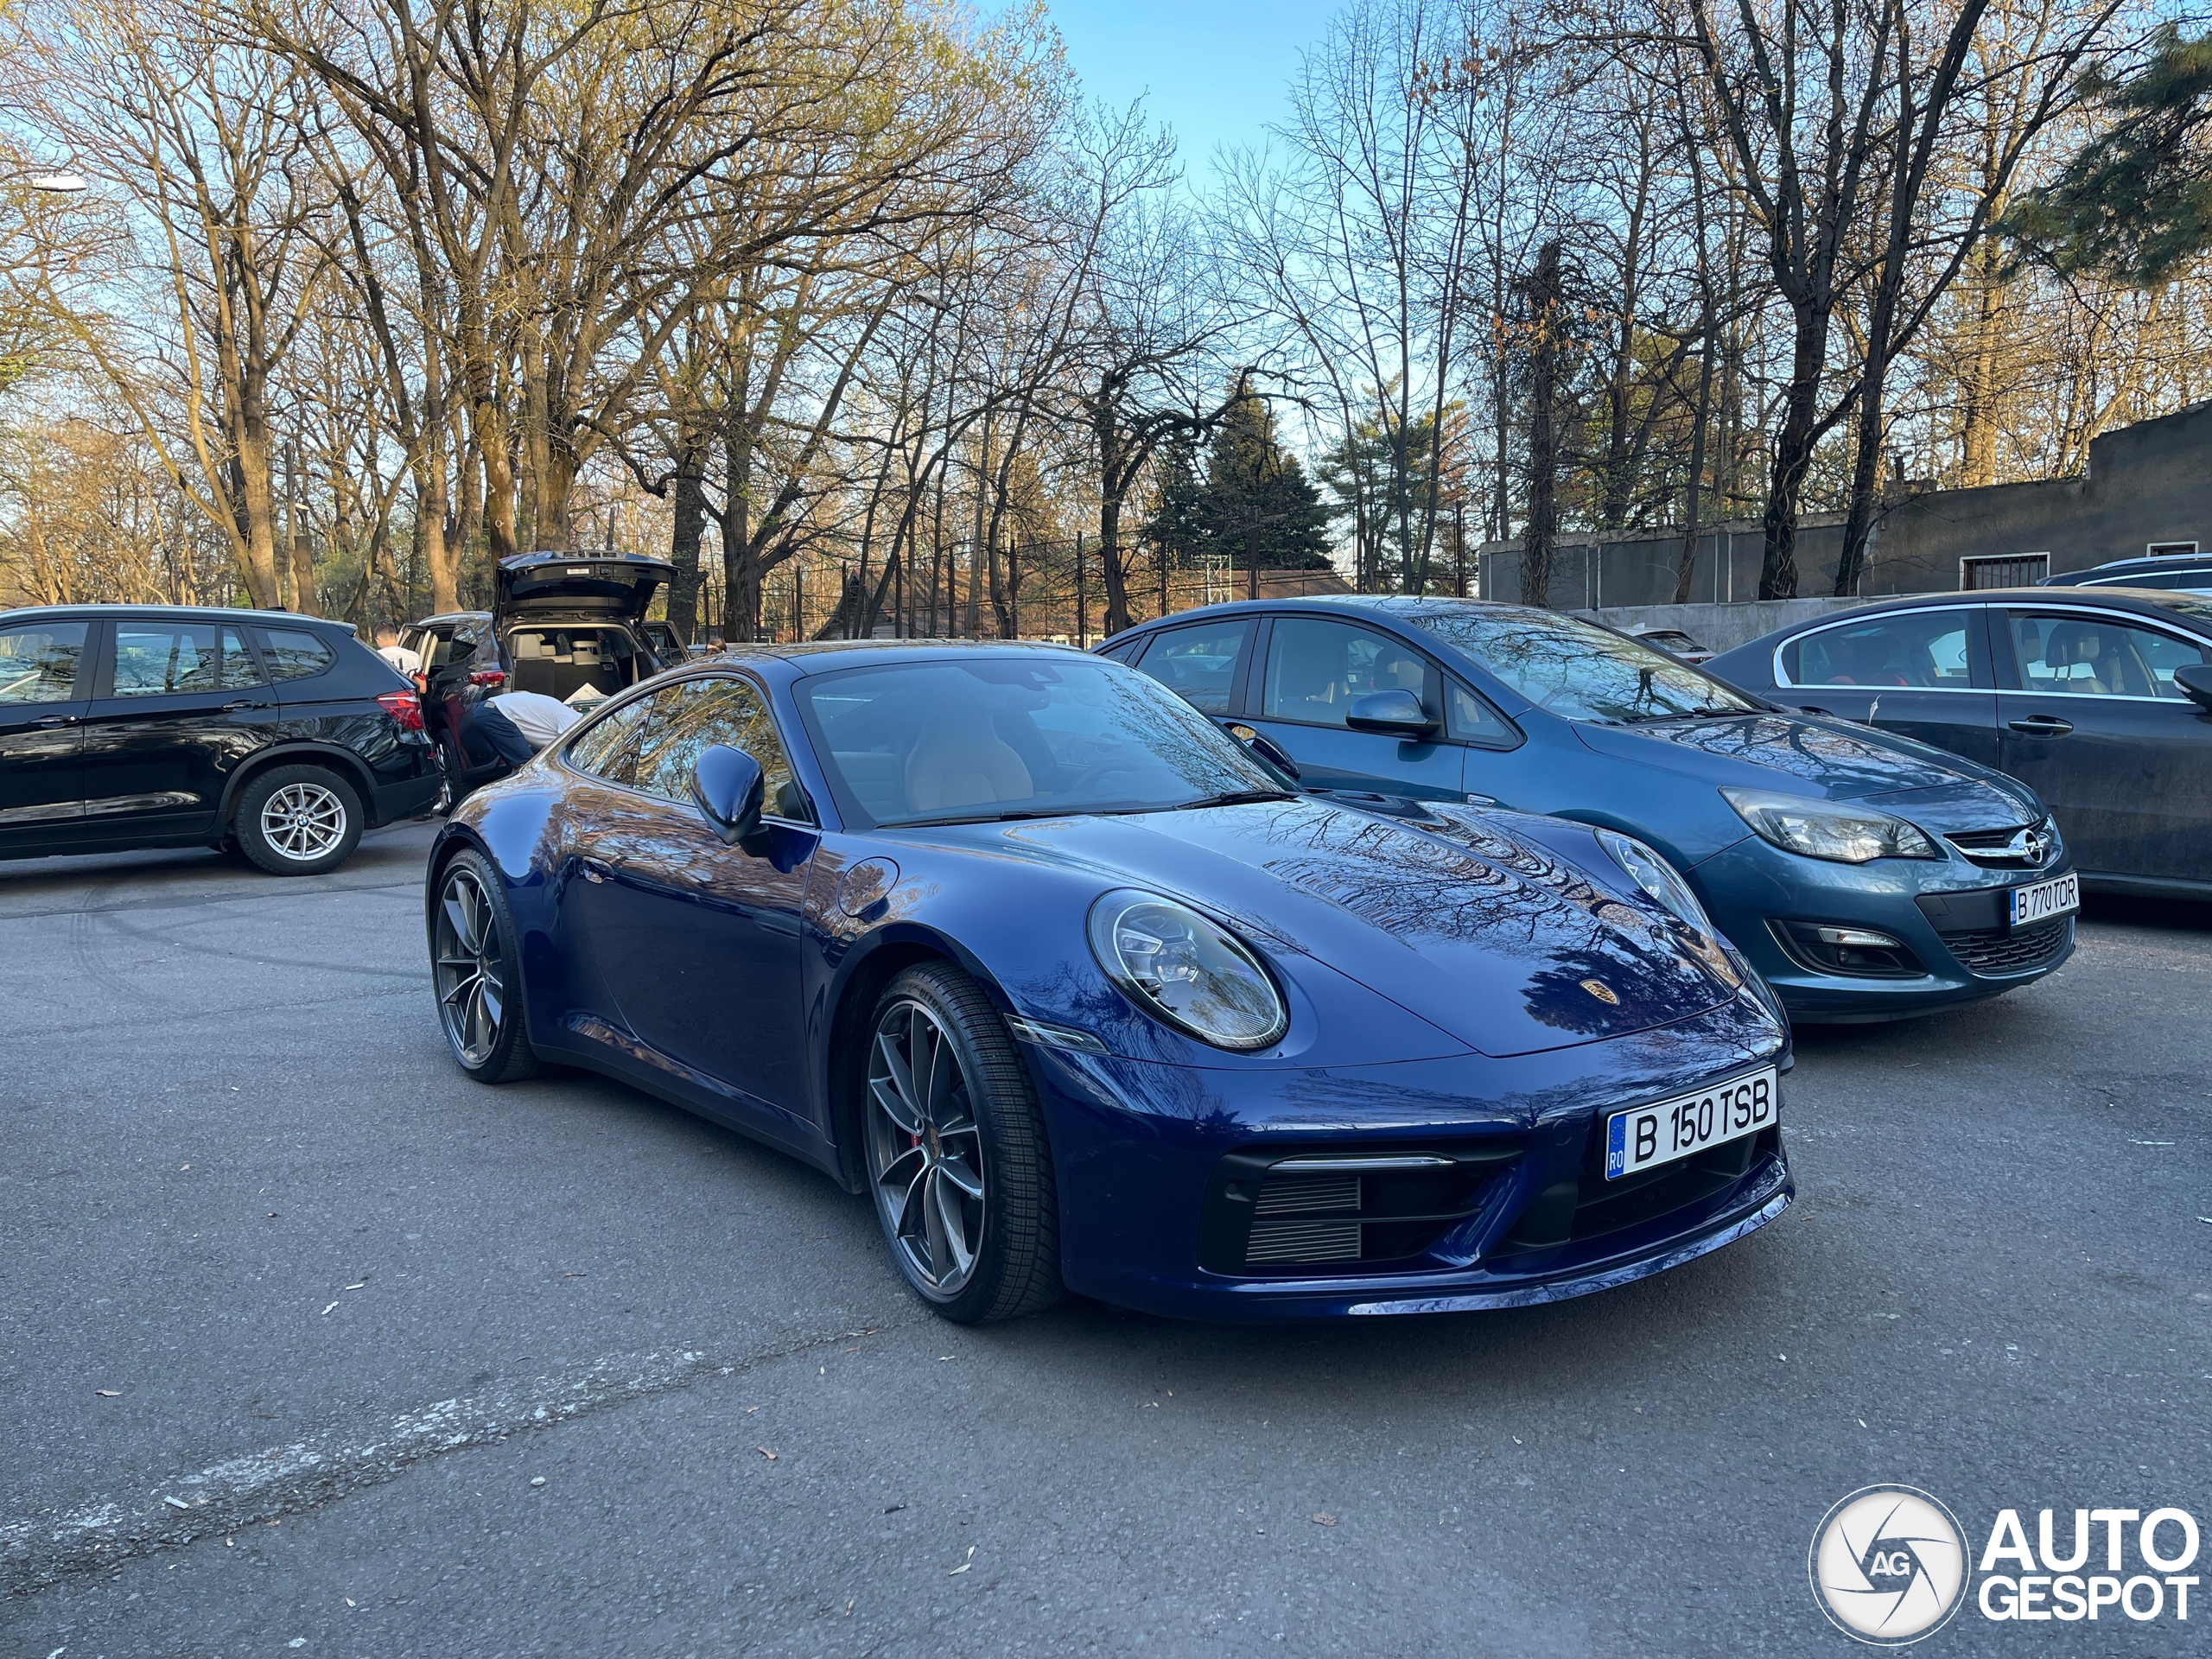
{"points": [[694, 716], [608, 749], [1200, 664]]}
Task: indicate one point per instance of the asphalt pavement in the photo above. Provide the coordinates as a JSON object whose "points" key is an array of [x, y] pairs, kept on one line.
{"points": [[309, 1344]]}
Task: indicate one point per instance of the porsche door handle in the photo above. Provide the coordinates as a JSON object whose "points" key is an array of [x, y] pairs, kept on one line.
{"points": [[58, 720], [2041, 726], [1811, 708]]}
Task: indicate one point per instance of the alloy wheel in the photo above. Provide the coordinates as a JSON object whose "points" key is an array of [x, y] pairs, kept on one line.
{"points": [[303, 821], [472, 997], [925, 1151]]}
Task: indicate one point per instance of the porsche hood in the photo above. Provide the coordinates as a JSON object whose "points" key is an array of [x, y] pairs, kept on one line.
{"points": [[1480, 930]]}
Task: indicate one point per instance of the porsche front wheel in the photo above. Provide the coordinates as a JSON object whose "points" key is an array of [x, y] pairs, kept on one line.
{"points": [[957, 1158]]}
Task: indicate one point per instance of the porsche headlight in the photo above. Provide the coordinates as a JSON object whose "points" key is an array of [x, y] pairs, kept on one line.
{"points": [[1198, 977], [1829, 830], [1656, 877]]}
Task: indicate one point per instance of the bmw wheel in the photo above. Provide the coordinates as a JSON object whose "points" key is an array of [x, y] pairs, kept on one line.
{"points": [[298, 820], [957, 1158], [477, 972], [455, 765]]}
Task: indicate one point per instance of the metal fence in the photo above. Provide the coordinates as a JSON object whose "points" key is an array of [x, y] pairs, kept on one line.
{"points": [[1048, 590]]}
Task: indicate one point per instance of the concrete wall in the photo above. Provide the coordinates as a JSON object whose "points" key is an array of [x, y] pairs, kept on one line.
{"points": [[1719, 628], [2147, 483], [1591, 575]]}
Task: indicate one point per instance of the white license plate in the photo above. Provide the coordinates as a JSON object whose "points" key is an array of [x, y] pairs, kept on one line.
{"points": [[1689, 1123], [2045, 899]]}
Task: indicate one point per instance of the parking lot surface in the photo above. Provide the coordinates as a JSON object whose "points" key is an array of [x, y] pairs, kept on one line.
{"points": [[309, 1344]]}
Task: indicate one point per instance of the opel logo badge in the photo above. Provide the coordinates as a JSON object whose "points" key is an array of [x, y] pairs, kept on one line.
{"points": [[1602, 993], [2030, 846]]}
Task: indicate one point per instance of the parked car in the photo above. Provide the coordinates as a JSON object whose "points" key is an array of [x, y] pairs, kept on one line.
{"points": [[1868, 877], [431, 638], [133, 726], [2096, 698], [2176, 572], [1676, 644], [567, 625], [1010, 939]]}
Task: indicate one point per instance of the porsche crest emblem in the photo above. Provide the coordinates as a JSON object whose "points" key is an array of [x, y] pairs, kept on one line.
{"points": [[1602, 992]]}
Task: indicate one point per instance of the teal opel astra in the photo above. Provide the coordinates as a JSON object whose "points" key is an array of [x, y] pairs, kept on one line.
{"points": [[1867, 875]]}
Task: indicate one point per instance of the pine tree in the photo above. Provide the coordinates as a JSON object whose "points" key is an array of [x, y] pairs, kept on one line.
{"points": [[2136, 201], [1179, 519], [1258, 506]]}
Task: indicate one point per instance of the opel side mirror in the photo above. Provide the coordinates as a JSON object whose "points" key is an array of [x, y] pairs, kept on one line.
{"points": [[1396, 713], [727, 784]]}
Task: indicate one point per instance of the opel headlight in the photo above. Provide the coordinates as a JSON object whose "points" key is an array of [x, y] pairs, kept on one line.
{"points": [[1197, 976], [1656, 877], [1829, 830]]}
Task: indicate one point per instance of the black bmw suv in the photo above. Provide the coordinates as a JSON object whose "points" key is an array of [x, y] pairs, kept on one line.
{"points": [[125, 726]]}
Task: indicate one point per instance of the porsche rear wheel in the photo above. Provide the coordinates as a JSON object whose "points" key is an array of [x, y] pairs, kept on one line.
{"points": [[476, 969], [957, 1158]]}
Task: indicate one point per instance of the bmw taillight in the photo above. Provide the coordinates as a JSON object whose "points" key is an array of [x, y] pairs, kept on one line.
{"points": [[488, 676], [402, 706]]}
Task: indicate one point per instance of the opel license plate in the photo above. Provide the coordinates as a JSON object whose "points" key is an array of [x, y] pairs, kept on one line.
{"points": [[2045, 899], [1689, 1123]]}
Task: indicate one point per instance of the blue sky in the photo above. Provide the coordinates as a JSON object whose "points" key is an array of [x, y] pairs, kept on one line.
{"points": [[1215, 69]]}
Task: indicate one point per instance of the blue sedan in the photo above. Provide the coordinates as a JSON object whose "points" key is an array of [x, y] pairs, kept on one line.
{"points": [[1867, 876], [1015, 942]]}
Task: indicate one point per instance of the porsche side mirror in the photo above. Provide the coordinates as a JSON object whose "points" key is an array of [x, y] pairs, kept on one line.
{"points": [[1396, 713], [1263, 748], [2196, 682], [727, 784]]}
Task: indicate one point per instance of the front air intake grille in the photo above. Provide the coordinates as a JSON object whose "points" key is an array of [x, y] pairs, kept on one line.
{"points": [[1303, 1195], [1591, 1207], [1280, 1213], [1303, 1241], [1994, 952]]}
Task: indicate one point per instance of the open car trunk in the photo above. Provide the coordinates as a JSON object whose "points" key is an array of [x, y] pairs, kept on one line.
{"points": [[571, 626], [576, 664]]}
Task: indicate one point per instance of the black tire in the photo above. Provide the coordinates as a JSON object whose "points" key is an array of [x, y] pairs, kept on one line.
{"points": [[476, 968], [298, 820], [455, 789], [1016, 1260]]}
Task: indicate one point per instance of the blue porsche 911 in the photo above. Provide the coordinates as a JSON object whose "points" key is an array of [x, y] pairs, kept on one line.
{"points": [[1087, 997]]}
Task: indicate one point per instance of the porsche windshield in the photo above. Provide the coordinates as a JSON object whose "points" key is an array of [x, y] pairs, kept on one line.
{"points": [[1580, 671], [1007, 737]]}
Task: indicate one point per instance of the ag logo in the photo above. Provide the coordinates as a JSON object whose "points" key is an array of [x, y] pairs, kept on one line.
{"points": [[1889, 1565]]}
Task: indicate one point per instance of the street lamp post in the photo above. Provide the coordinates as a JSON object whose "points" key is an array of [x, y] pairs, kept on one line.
{"points": [[50, 184]]}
